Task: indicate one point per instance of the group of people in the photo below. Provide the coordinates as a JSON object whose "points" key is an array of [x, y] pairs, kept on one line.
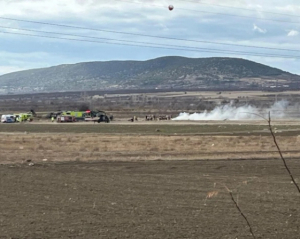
{"points": [[134, 118]]}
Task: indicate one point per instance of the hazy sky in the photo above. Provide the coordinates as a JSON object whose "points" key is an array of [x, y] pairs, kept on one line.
{"points": [[190, 20]]}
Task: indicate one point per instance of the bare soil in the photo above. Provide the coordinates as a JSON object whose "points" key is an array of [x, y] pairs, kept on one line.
{"points": [[147, 180], [153, 199]]}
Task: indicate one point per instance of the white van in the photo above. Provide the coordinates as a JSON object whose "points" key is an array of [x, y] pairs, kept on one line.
{"points": [[7, 119]]}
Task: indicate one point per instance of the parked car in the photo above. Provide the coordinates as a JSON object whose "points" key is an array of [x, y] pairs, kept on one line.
{"points": [[7, 119]]}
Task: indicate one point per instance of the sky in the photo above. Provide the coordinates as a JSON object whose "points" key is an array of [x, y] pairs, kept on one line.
{"points": [[99, 27]]}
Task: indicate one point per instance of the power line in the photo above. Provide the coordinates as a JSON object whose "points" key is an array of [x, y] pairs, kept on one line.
{"points": [[166, 48], [146, 35], [215, 13], [240, 8], [138, 42]]}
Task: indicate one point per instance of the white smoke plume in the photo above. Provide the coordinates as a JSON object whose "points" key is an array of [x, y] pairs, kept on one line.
{"points": [[231, 112]]}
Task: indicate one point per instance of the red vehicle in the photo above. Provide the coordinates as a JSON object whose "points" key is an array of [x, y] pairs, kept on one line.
{"points": [[66, 118]]}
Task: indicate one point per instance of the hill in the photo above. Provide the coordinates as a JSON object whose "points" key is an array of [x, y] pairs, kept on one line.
{"points": [[164, 72]]}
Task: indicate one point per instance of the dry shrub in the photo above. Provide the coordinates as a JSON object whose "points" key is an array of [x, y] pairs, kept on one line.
{"points": [[106, 141], [145, 143], [154, 149], [57, 139], [231, 139], [39, 147], [177, 140], [105, 148], [77, 159], [212, 194]]}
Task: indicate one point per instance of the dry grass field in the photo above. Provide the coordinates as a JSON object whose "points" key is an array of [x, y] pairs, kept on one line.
{"points": [[144, 141], [17, 148]]}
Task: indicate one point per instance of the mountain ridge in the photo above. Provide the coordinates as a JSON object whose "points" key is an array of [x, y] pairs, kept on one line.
{"points": [[163, 72]]}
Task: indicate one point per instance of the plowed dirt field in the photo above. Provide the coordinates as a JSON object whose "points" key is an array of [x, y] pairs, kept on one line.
{"points": [[151, 199]]}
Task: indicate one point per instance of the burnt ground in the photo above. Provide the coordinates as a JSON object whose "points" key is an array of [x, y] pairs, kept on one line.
{"points": [[151, 199]]}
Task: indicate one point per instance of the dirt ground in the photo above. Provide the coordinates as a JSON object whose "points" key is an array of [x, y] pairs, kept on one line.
{"points": [[152, 199], [147, 180]]}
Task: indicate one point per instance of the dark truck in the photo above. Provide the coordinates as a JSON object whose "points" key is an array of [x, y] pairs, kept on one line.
{"points": [[97, 116]]}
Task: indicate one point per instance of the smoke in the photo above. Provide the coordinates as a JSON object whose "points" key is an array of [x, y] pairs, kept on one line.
{"points": [[231, 112]]}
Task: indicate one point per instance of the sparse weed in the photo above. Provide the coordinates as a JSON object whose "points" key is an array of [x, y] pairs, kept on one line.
{"points": [[39, 147]]}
